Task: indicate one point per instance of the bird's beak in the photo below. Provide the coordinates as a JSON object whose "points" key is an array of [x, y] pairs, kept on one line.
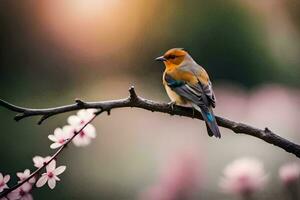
{"points": [[160, 58]]}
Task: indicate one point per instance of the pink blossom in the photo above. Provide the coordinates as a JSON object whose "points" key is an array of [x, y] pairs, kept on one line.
{"points": [[179, 180], [85, 136], [21, 193], [289, 173], [51, 175], [3, 182], [82, 118], [24, 175], [40, 161], [78, 121], [60, 136], [244, 177], [3, 198]]}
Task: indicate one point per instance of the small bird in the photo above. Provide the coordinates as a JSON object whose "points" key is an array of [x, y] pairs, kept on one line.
{"points": [[186, 82]]}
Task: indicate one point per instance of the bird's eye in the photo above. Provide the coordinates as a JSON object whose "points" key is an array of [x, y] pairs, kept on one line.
{"points": [[171, 56]]}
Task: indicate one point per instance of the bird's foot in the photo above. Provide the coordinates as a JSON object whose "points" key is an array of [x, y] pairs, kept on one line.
{"points": [[171, 105]]}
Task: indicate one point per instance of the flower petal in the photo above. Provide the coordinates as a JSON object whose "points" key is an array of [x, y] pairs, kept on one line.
{"points": [[58, 132], [85, 141], [52, 138], [73, 120], [47, 158], [26, 187], [59, 170], [6, 178], [14, 195], [32, 180], [42, 180], [90, 131], [27, 172], [38, 161], [68, 131], [82, 114], [52, 183], [20, 175], [51, 166], [81, 141], [1, 176], [77, 141], [55, 145]]}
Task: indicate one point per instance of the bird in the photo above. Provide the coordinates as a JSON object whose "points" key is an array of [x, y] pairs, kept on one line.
{"points": [[187, 83]]}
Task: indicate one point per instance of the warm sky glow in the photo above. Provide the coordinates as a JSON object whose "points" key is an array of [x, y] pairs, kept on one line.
{"points": [[88, 27]]}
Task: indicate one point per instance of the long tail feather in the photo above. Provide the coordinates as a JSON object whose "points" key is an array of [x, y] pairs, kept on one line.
{"points": [[210, 121], [209, 132]]}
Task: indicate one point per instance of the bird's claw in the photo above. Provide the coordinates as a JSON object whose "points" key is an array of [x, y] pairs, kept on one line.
{"points": [[171, 104]]}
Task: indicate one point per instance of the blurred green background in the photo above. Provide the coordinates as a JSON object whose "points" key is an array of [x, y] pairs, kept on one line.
{"points": [[55, 51]]}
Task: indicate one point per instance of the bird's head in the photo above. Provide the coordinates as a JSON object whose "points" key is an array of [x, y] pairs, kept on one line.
{"points": [[174, 57]]}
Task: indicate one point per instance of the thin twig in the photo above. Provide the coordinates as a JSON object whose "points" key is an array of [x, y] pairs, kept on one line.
{"points": [[135, 101], [54, 156]]}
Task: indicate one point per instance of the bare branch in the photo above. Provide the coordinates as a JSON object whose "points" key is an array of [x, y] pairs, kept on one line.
{"points": [[135, 101]]}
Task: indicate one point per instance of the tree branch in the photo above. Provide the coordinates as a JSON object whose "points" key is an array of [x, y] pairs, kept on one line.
{"points": [[135, 101], [53, 157]]}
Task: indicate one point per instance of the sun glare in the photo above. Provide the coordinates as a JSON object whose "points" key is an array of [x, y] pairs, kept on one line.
{"points": [[88, 27]]}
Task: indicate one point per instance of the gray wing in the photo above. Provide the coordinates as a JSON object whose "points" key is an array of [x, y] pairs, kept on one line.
{"points": [[202, 99], [208, 91], [199, 94]]}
